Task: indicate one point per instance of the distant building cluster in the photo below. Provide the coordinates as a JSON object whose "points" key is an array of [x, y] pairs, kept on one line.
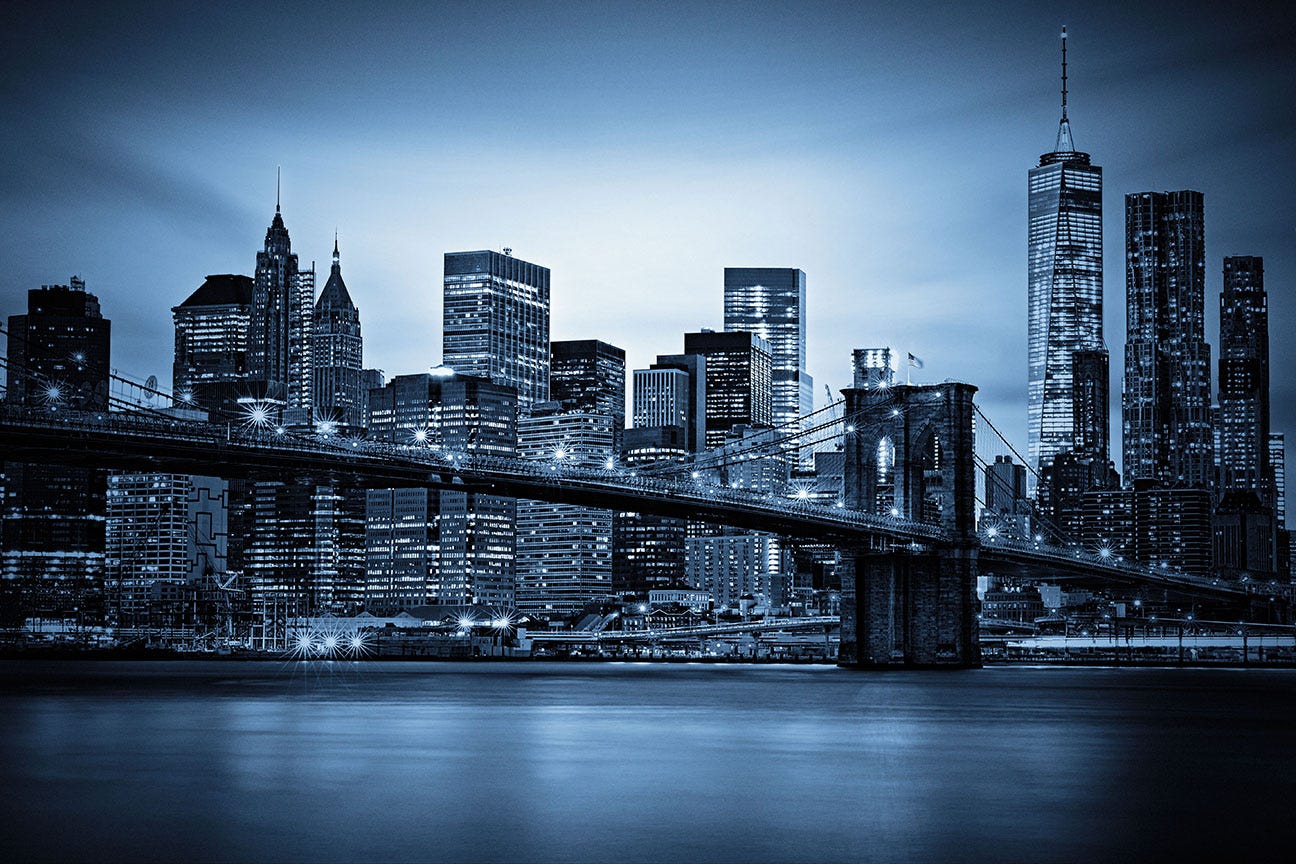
{"points": [[1203, 479], [1203, 485]]}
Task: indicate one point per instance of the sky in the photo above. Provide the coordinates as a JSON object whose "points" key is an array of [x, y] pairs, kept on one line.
{"points": [[637, 149]]}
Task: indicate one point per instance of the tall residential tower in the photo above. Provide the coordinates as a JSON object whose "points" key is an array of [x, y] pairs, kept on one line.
{"points": [[1167, 398]]}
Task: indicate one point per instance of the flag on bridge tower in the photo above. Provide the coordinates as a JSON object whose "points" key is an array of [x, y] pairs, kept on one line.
{"points": [[915, 362]]}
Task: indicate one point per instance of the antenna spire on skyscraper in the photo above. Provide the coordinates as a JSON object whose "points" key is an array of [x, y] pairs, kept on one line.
{"points": [[1064, 75], [278, 171]]}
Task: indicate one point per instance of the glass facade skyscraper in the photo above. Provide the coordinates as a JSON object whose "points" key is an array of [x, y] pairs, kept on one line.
{"points": [[1065, 286], [279, 333], [496, 322], [1167, 399], [738, 381], [771, 303], [589, 375]]}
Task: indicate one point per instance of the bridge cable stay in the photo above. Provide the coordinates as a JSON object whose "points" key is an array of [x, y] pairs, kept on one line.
{"points": [[836, 427], [126, 405], [714, 454]]}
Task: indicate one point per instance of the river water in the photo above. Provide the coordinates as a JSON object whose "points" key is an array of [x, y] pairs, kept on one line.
{"points": [[642, 762]]}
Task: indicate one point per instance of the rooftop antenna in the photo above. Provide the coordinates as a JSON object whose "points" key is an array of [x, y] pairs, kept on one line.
{"points": [[278, 169], [1064, 77]]}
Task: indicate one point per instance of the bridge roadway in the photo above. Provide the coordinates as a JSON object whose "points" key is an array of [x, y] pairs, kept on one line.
{"points": [[122, 441]]}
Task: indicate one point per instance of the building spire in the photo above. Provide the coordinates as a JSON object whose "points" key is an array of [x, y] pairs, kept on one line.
{"points": [[1065, 144], [278, 171], [336, 257], [1064, 81]]}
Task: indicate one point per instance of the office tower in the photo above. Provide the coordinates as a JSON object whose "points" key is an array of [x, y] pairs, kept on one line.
{"points": [[1167, 399], [1282, 534], [1005, 498], [306, 551], [337, 354], [661, 398], [370, 379], [738, 469], [564, 551], [166, 534], [732, 567], [402, 548], [52, 554], [279, 333], [648, 550], [496, 322], [1091, 404], [771, 303], [459, 545], [1278, 471], [210, 366], [738, 369], [1244, 379], [681, 403], [589, 375], [872, 368], [1151, 525], [1065, 285]]}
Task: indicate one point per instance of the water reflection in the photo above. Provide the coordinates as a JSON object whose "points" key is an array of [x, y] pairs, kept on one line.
{"points": [[554, 762]]}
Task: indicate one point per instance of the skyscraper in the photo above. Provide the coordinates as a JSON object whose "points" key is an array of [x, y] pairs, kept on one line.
{"points": [[738, 381], [1244, 379], [564, 551], [589, 375], [337, 353], [279, 333], [210, 366], [1167, 398], [456, 548], [52, 552], [660, 402], [165, 533], [771, 303], [1065, 284], [496, 322]]}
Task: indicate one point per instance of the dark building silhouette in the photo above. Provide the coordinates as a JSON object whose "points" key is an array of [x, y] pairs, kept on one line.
{"points": [[1167, 399], [210, 366], [1152, 525], [648, 550], [738, 381], [1244, 379], [589, 375], [52, 555], [337, 352]]}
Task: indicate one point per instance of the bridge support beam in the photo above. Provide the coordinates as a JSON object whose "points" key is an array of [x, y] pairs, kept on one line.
{"points": [[910, 610]]}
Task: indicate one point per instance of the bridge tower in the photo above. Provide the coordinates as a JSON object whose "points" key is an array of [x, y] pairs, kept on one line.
{"points": [[911, 455]]}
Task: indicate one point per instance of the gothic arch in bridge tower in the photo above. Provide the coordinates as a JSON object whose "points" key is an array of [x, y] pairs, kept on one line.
{"points": [[912, 605]]}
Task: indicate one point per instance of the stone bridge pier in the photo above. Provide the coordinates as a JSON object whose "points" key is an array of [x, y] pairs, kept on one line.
{"points": [[912, 456]]}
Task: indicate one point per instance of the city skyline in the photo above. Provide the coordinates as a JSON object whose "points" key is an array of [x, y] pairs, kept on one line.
{"points": [[875, 232]]}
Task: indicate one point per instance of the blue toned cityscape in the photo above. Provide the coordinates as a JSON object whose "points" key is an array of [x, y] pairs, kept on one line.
{"points": [[743, 423]]}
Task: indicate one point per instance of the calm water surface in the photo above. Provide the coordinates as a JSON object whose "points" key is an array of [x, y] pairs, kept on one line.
{"points": [[631, 762]]}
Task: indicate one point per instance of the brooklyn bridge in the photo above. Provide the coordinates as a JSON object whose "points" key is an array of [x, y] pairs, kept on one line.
{"points": [[910, 552]]}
